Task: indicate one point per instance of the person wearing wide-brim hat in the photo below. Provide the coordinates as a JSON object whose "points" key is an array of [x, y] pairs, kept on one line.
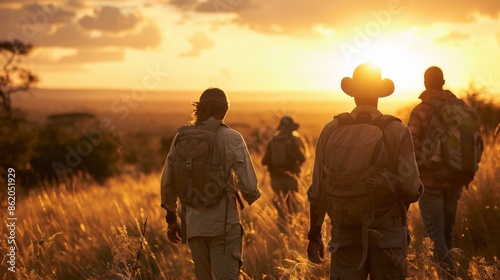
{"points": [[287, 125], [356, 253], [284, 156]]}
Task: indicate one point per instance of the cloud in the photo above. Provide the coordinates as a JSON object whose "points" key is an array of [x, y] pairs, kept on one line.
{"points": [[199, 42], [55, 14], [94, 56], [453, 37], [58, 25], [109, 19], [73, 36], [285, 16], [184, 4]]}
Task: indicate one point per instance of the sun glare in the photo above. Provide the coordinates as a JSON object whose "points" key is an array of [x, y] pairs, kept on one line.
{"points": [[404, 67]]}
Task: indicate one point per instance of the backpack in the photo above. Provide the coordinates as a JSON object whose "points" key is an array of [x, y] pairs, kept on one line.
{"points": [[355, 164], [198, 176], [452, 145], [280, 154]]}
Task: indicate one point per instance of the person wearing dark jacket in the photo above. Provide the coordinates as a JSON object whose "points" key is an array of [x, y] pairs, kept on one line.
{"points": [[438, 204], [284, 156]]}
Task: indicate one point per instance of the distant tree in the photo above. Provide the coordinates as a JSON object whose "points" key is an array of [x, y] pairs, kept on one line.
{"points": [[64, 150], [17, 141], [14, 77], [17, 136]]}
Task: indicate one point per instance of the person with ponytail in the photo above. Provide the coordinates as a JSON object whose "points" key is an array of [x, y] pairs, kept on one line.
{"points": [[210, 221]]}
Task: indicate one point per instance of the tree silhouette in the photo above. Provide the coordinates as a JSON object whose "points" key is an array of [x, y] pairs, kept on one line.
{"points": [[17, 136], [14, 77]]}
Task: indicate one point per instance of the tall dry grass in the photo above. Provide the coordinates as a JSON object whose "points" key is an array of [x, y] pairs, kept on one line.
{"points": [[95, 232]]}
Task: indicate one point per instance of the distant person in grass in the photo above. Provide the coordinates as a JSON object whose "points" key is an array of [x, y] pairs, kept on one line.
{"points": [[365, 176], [207, 165], [284, 156], [448, 145]]}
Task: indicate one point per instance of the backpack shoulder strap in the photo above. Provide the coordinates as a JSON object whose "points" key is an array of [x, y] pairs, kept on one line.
{"points": [[344, 119], [382, 121]]}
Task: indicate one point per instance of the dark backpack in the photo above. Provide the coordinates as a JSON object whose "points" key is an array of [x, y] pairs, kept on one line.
{"points": [[453, 146], [280, 155], [198, 176], [355, 164]]}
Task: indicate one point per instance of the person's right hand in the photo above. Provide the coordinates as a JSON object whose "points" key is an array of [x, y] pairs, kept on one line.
{"points": [[316, 251], [174, 232]]}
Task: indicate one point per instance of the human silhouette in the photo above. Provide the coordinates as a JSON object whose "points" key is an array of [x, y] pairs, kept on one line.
{"points": [[442, 127], [208, 163], [284, 156], [364, 177]]}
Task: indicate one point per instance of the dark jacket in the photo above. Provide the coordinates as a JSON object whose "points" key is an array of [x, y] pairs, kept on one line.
{"points": [[420, 119]]}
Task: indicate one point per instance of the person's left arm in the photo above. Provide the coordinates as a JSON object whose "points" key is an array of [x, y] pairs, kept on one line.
{"points": [[244, 170], [300, 150]]}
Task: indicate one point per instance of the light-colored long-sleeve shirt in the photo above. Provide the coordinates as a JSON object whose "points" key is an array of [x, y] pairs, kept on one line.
{"points": [[402, 164], [236, 161]]}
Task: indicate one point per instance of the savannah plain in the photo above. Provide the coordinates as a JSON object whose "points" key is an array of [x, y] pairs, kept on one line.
{"points": [[117, 230]]}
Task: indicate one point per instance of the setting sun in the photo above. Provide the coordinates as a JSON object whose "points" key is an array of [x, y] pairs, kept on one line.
{"points": [[397, 62]]}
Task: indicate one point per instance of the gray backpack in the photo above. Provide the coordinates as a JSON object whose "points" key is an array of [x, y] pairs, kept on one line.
{"points": [[198, 176], [355, 164], [453, 146]]}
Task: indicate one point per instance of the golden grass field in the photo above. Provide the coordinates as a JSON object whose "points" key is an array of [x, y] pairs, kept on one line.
{"points": [[96, 232]]}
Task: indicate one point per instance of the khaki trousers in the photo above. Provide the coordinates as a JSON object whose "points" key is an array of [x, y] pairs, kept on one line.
{"points": [[209, 258]]}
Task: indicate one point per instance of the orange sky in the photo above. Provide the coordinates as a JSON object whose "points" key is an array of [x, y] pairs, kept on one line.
{"points": [[252, 45]]}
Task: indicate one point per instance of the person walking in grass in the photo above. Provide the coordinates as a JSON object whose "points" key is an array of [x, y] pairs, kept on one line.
{"points": [[448, 145], [208, 163], [365, 177], [284, 156]]}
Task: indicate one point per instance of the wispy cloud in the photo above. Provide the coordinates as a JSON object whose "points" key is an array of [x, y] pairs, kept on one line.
{"points": [[199, 41], [84, 56], [453, 37], [110, 19], [284, 16]]}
